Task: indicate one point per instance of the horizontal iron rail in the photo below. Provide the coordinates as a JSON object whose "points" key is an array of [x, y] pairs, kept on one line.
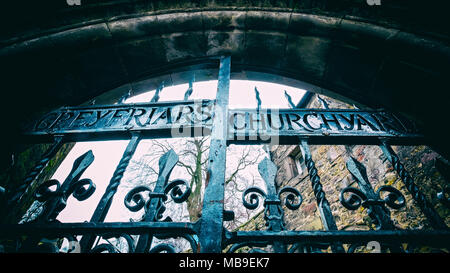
{"points": [[64, 229], [425, 237]]}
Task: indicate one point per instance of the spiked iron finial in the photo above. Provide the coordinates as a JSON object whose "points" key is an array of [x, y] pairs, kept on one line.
{"points": [[323, 102], [190, 89], [158, 90], [291, 104], [258, 99]]}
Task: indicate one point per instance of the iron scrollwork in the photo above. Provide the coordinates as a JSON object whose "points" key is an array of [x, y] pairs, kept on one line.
{"points": [[135, 201], [273, 213], [394, 199], [56, 199], [179, 191], [252, 194]]}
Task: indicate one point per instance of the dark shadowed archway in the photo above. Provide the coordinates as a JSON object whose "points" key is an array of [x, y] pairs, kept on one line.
{"points": [[393, 56]]}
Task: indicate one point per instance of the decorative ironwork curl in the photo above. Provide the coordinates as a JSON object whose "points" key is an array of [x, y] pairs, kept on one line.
{"points": [[177, 195], [354, 201], [56, 200], [80, 192], [44, 191], [292, 195], [135, 196], [76, 189], [135, 201], [372, 246], [254, 192], [394, 198], [357, 198]]}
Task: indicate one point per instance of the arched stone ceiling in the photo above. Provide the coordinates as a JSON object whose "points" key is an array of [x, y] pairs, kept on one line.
{"points": [[53, 54]]}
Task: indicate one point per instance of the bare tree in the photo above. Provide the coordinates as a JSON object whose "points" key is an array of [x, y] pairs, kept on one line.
{"points": [[193, 157]]}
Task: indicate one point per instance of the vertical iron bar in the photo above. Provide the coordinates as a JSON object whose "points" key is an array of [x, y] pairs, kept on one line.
{"points": [[322, 202], [166, 164], [104, 204], [211, 226], [268, 171], [426, 207]]}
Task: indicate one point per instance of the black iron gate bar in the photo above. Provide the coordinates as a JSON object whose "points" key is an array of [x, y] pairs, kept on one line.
{"points": [[322, 203], [212, 237], [213, 200]]}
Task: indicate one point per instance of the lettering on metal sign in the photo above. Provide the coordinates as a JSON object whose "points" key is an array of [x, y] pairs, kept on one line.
{"points": [[114, 120], [195, 118], [314, 122]]}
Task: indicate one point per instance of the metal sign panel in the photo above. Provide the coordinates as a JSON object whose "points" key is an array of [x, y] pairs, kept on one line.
{"points": [[160, 119], [194, 118], [321, 126]]}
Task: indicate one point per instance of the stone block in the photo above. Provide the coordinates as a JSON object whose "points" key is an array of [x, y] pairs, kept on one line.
{"points": [[184, 45], [307, 53], [225, 43], [262, 47], [139, 55]]}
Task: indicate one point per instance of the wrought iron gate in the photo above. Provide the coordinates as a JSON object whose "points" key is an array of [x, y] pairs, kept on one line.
{"points": [[186, 118]]}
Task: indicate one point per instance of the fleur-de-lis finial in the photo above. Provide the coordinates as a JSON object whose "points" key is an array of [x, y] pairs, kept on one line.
{"points": [[56, 200]]}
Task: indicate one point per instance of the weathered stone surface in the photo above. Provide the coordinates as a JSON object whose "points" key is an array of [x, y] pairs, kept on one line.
{"points": [[134, 28], [224, 43], [267, 21], [308, 52], [139, 55]]}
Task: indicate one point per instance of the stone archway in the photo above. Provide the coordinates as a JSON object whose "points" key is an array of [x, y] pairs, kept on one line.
{"points": [[58, 55]]}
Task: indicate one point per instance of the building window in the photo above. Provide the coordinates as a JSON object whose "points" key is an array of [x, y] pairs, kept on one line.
{"points": [[296, 162]]}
